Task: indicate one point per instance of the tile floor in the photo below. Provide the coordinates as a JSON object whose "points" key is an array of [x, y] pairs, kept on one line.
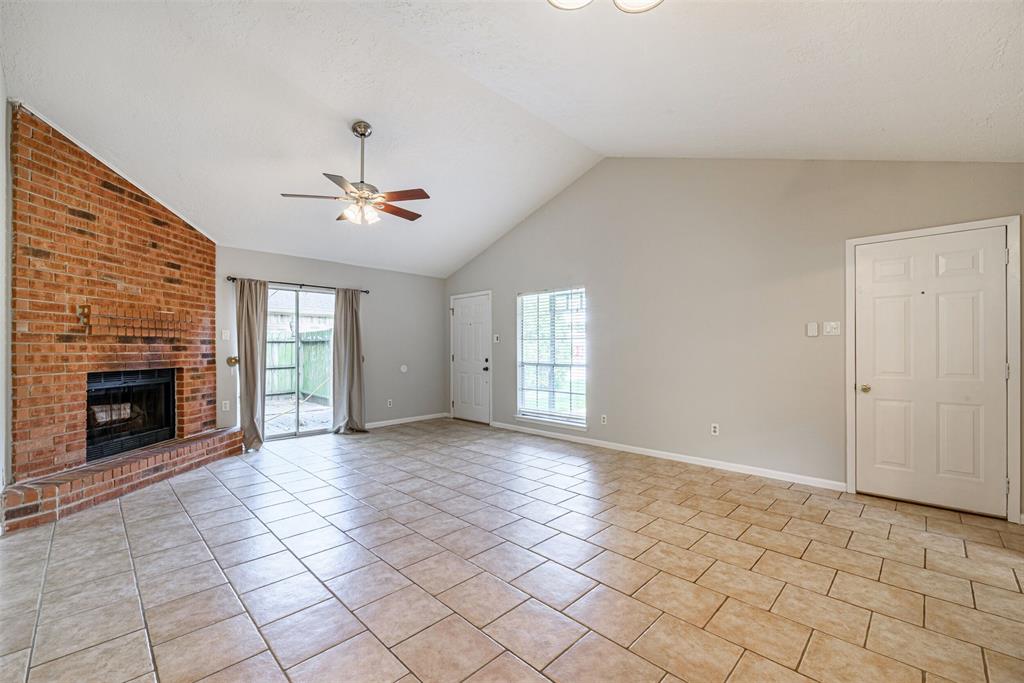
{"points": [[443, 551]]}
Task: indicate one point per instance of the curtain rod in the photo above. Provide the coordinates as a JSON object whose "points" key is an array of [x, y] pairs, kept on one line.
{"points": [[232, 278]]}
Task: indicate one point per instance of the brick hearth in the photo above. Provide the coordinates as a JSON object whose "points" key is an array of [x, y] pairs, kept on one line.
{"points": [[103, 278]]}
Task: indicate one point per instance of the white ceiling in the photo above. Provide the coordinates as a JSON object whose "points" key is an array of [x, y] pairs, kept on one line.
{"points": [[494, 107]]}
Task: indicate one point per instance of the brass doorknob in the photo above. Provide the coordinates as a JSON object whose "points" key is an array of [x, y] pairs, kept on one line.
{"points": [[865, 388]]}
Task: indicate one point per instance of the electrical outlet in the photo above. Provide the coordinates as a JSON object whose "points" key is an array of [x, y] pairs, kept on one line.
{"points": [[604, 419], [390, 403], [225, 406], [715, 431]]}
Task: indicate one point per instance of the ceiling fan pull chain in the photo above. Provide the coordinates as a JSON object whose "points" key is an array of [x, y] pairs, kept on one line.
{"points": [[362, 157]]}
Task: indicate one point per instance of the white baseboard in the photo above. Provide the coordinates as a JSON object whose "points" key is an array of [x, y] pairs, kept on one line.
{"points": [[403, 420], [679, 457]]}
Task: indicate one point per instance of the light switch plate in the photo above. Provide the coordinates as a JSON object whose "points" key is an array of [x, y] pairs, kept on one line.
{"points": [[225, 335], [812, 329], [830, 329]]}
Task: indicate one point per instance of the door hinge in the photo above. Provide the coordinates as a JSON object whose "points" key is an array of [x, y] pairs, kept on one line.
{"points": [[453, 404], [453, 357], [1007, 254], [1007, 371], [1007, 486], [452, 311]]}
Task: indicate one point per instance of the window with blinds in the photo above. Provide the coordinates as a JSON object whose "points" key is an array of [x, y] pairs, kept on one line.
{"points": [[552, 356]]}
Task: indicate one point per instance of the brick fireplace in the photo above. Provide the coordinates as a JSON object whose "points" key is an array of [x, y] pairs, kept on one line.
{"points": [[105, 282]]}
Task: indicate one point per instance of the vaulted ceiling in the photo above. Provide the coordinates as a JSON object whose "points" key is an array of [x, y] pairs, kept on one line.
{"points": [[495, 107]]}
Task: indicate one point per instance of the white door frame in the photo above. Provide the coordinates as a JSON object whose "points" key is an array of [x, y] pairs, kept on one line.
{"points": [[1013, 348], [451, 352]]}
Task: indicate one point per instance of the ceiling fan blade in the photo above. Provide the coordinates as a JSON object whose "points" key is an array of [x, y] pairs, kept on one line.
{"points": [[405, 195], [341, 182], [309, 196], [397, 211]]}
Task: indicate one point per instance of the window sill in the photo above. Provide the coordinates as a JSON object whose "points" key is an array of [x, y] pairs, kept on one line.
{"points": [[552, 423]]}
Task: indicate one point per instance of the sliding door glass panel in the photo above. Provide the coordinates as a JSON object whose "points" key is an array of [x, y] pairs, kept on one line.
{"points": [[316, 325], [281, 405]]}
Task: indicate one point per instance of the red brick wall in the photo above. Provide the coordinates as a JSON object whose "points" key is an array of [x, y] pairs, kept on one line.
{"points": [[84, 235]]}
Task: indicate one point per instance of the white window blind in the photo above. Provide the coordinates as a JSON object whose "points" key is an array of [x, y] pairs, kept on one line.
{"points": [[552, 372]]}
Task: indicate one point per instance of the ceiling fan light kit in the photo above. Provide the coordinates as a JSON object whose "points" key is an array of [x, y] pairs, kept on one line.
{"points": [[628, 6], [367, 200]]}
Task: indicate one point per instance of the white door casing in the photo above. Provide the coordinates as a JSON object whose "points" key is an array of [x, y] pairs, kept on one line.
{"points": [[471, 357], [931, 350]]}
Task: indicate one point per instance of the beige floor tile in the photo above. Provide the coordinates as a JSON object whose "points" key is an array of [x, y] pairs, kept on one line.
{"points": [[775, 637], [469, 541], [379, 533], [184, 615], [832, 616], [440, 572], [683, 563], [926, 650], [449, 650], [857, 524], [762, 518], [621, 573], [687, 651], [792, 570], [227, 533], [507, 561], [1003, 669], [60, 637], [680, 598], [625, 518], [893, 550], [728, 550], [981, 628], [262, 668], [980, 571], [506, 669], [307, 633], [831, 660], [337, 561], [553, 584], [535, 632], [316, 541], [237, 552], [401, 614], [755, 589], [284, 597], [935, 584], [208, 650], [670, 511], [818, 532], [879, 597], [171, 559], [850, 561], [120, 659], [597, 660], [567, 550], [540, 511], [437, 525], [672, 532], [362, 658], [407, 550], [162, 588], [966, 532], [809, 513], [366, 584], [710, 505], [753, 668], [616, 616], [578, 525], [1009, 604], [978, 551], [80, 597], [14, 666], [777, 541], [622, 541], [482, 599], [925, 539], [525, 532], [266, 570], [723, 526]]}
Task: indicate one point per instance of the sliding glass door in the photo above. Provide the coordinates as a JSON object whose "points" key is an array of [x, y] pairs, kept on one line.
{"points": [[298, 383]]}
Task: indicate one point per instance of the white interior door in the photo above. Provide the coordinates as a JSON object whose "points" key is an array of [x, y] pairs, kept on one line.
{"points": [[471, 357], [931, 369]]}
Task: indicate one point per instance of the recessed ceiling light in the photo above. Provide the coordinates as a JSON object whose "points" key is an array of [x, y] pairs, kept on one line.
{"points": [[569, 4], [636, 6]]}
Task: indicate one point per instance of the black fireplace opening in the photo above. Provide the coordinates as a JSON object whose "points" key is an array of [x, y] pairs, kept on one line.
{"points": [[128, 409]]}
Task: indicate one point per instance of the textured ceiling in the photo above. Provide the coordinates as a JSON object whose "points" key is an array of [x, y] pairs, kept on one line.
{"points": [[494, 107]]}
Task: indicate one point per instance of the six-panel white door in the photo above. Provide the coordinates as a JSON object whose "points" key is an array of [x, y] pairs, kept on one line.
{"points": [[931, 369], [471, 357]]}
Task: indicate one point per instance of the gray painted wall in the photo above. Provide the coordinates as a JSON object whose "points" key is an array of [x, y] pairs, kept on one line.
{"points": [[400, 324], [700, 275]]}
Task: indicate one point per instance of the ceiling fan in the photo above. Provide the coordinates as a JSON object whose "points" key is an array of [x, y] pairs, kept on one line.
{"points": [[367, 200]]}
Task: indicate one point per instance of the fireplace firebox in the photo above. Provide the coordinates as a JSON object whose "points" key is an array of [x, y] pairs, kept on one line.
{"points": [[128, 409]]}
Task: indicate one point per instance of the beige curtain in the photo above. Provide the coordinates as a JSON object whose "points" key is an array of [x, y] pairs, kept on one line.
{"points": [[349, 394], [251, 309]]}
